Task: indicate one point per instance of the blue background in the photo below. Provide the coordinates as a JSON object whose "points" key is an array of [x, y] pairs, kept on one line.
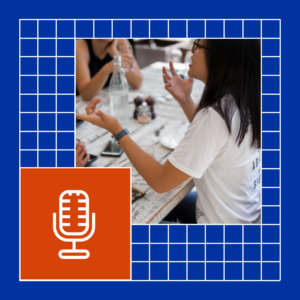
{"points": [[11, 288]]}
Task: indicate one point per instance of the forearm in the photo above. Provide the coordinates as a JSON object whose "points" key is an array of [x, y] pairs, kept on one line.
{"points": [[189, 108], [146, 165], [91, 88], [134, 78]]}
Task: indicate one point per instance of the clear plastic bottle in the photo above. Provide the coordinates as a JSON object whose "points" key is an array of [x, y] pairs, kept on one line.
{"points": [[118, 92]]}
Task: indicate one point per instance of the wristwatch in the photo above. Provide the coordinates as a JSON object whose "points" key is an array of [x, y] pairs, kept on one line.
{"points": [[118, 136]]}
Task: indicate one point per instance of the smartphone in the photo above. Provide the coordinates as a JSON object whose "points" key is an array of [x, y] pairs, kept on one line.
{"points": [[91, 159], [78, 122], [112, 149]]}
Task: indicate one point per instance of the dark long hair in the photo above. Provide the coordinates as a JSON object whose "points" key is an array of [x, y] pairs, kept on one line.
{"points": [[234, 69]]}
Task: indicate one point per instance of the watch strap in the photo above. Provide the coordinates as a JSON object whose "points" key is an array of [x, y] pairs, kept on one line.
{"points": [[118, 136]]}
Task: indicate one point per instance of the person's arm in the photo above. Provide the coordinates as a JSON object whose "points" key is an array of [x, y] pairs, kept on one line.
{"points": [[161, 178], [134, 77], [88, 87], [181, 90], [189, 107]]}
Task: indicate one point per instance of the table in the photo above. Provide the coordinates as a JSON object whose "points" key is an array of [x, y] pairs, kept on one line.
{"points": [[153, 207]]}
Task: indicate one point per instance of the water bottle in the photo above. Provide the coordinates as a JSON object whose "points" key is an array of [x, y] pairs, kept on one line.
{"points": [[118, 92]]}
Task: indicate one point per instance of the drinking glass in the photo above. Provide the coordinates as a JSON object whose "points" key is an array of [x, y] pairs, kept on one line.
{"points": [[126, 50]]}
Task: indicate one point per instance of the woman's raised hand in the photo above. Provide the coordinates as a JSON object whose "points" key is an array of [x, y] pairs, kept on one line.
{"points": [[100, 119], [179, 88], [91, 107], [127, 61]]}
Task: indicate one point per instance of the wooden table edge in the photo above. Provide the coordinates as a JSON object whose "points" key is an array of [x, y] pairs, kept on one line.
{"points": [[147, 221]]}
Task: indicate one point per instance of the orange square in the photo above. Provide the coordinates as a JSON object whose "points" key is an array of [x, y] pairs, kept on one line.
{"points": [[85, 252]]}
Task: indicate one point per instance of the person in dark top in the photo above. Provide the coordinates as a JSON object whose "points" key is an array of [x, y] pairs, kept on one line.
{"points": [[94, 65]]}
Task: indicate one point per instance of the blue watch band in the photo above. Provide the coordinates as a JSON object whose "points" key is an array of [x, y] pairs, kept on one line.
{"points": [[118, 136]]}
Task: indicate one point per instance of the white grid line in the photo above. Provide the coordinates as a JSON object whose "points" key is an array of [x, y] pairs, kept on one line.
{"points": [[19, 147], [47, 112], [187, 251], [243, 248], [224, 250], [210, 261], [56, 97], [186, 30], [168, 252], [228, 243], [280, 149], [38, 97], [47, 149], [242, 28], [205, 252], [45, 131], [48, 75], [131, 29], [75, 89], [261, 138], [93, 28], [43, 56], [149, 253]]}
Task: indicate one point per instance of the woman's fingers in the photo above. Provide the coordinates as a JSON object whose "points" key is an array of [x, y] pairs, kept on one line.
{"points": [[88, 118], [90, 108], [85, 160], [79, 148], [168, 87], [81, 154], [127, 63], [166, 73], [172, 67], [165, 79], [99, 113]]}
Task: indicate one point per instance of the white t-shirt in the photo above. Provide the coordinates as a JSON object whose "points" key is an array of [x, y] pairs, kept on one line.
{"points": [[227, 176]]}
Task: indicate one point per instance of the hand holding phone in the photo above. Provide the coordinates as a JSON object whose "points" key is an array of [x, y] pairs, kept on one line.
{"points": [[83, 159]]}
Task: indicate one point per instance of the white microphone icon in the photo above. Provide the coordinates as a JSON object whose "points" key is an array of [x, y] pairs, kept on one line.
{"points": [[78, 220]]}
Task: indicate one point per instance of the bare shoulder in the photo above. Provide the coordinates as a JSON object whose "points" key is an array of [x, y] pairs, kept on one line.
{"points": [[82, 49], [123, 42]]}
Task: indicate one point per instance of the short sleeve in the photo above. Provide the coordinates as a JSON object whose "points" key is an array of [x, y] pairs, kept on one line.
{"points": [[205, 138]]}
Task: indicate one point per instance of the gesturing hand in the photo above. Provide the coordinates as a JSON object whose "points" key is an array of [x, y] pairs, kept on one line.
{"points": [[179, 88], [91, 107], [100, 119]]}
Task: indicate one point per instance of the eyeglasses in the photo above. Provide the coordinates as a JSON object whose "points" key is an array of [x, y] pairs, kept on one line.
{"points": [[196, 46]]}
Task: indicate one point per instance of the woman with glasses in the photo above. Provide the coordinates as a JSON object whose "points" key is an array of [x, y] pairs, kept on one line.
{"points": [[221, 148]]}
